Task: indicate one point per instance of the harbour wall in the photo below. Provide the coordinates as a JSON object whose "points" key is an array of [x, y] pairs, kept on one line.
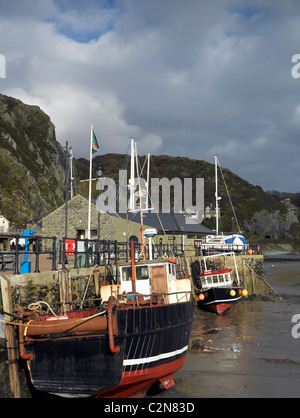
{"points": [[251, 272], [70, 285]]}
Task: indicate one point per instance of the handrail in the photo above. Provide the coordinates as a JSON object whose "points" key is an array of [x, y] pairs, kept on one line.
{"points": [[113, 349], [137, 295]]}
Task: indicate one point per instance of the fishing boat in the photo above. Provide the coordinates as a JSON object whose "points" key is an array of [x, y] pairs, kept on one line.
{"points": [[216, 290], [136, 339], [224, 242]]}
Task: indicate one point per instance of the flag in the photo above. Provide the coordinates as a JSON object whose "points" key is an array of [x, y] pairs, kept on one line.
{"points": [[95, 145]]}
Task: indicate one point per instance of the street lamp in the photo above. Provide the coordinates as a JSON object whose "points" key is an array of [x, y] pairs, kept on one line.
{"points": [[99, 173], [99, 170]]}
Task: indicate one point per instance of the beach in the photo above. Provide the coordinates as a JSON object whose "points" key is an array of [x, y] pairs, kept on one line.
{"points": [[250, 351]]}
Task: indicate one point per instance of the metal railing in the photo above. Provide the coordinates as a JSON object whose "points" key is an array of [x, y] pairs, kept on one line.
{"points": [[86, 253], [49, 254], [18, 256], [237, 249]]}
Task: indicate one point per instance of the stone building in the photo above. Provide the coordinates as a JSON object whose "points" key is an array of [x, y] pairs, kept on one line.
{"points": [[111, 227], [172, 228]]}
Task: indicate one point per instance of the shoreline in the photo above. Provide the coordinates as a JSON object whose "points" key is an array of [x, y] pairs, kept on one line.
{"points": [[282, 256]]}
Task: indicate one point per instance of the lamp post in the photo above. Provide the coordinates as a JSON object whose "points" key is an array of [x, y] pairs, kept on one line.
{"points": [[99, 173]]}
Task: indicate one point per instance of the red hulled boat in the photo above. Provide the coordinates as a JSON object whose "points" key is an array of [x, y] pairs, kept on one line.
{"points": [[217, 291], [137, 338]]}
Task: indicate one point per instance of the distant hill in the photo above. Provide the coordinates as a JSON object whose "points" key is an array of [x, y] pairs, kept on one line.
{"points": [[246, 198], [32, 173]]}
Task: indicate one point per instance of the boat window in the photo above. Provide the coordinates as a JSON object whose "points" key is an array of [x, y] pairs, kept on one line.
{"points": [[126, 274], [209, 280], [141, 272], [172, 270], [215, 279]]}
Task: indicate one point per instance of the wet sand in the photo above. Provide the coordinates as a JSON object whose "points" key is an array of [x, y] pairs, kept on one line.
{"points": [[250, 351]]}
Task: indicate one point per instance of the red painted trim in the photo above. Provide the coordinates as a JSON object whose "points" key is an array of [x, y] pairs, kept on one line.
{"points": [[220, 308], [23, 355], [133, 383], [214, 273]]}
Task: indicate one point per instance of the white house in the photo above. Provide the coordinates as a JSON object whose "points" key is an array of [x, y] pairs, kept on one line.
{"points": [[4, 224]]}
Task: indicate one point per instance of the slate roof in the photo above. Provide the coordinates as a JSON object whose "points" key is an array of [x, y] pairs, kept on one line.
{"points": [[170, 221]]}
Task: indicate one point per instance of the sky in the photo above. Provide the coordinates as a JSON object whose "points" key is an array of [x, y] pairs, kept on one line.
{"points": [[190, 78]]}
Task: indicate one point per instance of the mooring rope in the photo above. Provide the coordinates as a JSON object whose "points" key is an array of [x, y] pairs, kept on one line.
{"points": [[35, 306], [76, 321]]}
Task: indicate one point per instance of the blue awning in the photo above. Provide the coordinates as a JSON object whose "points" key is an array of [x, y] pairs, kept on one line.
{"points": [[236, 240]]}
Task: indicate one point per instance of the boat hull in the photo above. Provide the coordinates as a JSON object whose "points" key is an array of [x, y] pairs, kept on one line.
{"points": [[219, 300], [152, 342]]}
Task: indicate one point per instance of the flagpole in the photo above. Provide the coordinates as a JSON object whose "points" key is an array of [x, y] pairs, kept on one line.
{"points": [[90, 185]]}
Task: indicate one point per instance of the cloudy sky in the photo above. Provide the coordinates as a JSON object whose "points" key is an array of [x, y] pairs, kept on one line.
{"points": [[189, 78]]}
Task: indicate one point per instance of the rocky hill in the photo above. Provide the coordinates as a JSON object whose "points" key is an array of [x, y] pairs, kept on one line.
{"points": [[252, 205], [32, 175], [32, 162]]}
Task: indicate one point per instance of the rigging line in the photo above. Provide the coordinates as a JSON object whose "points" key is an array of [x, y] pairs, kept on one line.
{"points": [[162, 227], [229, 197], [124, 162], [86, 289], [155, 167], [157, 214], [140, 175], [142, 169]]}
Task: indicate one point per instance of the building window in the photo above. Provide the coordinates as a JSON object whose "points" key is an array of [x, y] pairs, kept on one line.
{"points": [[135, 239], [80, 233]]}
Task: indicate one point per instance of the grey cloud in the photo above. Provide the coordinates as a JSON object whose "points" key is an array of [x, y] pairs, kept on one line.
{"points": [[185, 78]]}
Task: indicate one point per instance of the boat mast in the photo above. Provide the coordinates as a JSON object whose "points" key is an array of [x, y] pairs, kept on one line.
{"points": [[131, 181], [141, 209], [216, 195], [147, 184], [70, 156]]}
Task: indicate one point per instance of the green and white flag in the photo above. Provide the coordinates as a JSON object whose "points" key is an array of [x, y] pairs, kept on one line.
{"points": [[95, 145]]}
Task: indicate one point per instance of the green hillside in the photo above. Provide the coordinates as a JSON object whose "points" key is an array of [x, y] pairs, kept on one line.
{"points": [[246, 198]]}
